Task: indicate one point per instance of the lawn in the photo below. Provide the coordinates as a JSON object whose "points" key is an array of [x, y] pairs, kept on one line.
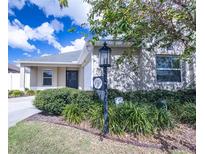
{"points": [[45, 138]]}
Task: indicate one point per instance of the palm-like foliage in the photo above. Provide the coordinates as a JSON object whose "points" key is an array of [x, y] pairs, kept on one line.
{"points": [[73, 114]]}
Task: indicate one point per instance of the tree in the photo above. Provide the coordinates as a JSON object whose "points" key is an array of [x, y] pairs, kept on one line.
{"points": [[145, 23]]}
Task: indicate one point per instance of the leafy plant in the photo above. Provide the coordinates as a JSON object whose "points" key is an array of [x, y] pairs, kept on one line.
{"points": [[30, 92], [131, 118], [165, 119], [95, 115], [183, 112], [53, 101], [135, 118], [73, 113], [16, 93], [188, 114]]}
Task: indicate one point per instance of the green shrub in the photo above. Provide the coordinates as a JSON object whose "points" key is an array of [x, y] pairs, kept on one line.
{"points": [[16, 93], [37, 91], [30, 92], [184, 113], [156, 95], [135, 118], [132, 118], [73, 113], [10, 92], [95, 115], [53, 101], [164, 120], [151, 96], [188, 114], [113, 93]]}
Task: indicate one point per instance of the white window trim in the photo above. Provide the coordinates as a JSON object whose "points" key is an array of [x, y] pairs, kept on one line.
{"points": [[168, 69], [47, 77]]}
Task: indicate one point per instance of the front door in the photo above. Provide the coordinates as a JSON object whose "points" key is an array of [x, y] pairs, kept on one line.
{"points": [[72, 79]]}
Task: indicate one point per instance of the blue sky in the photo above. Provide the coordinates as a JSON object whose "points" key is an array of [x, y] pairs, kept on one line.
{"points": [[39, 28]]}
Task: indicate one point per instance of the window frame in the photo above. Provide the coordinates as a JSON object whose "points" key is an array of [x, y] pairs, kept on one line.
{"points": [[47, 77], [169, 69]]}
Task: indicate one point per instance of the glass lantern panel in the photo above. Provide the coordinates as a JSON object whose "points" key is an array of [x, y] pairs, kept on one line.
{"points": [[104, 58]]}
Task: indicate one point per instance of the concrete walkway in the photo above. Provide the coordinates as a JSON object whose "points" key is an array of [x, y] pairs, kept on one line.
{"points": [[19, 109]]}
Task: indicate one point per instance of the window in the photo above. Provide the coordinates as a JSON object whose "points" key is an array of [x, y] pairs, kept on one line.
{"points": [[47, 77], [168, 68]]}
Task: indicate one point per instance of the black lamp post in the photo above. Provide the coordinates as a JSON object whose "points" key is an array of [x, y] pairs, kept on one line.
{"points": [[105, 61]]}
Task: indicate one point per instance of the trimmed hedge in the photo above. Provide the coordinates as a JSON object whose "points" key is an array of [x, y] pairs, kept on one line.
{"points": [[154, 95], [53, 101]]}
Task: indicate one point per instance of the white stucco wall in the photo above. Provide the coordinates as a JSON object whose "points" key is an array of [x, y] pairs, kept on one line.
{"points": [[87, 76]]}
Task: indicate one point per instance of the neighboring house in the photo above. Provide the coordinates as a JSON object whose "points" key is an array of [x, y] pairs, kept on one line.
{"points": [[14, 77], [147, 71]]}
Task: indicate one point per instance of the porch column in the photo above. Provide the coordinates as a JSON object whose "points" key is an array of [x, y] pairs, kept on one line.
{"points": [[22, 78]]}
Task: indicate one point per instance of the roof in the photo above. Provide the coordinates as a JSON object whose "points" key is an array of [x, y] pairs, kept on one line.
{"points": [[113, 43], [69, 57], [13, 68]]}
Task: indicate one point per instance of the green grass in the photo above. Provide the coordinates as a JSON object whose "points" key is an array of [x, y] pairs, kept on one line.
{"points": [[44, 138]]}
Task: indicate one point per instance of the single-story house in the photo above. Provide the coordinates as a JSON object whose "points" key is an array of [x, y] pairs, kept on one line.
{"points": [[148, 70]]}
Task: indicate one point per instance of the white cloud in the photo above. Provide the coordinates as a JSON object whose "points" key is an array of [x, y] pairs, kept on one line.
{"points": [[45, 32], [38, 51], [27, 54], [45, 54], [19, 4], [19, 35], [57, 26], [77, 9], [78, 44]]}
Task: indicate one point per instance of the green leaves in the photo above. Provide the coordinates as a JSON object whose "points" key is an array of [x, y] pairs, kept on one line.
{"points": [[131, 118], [73, 113], [71, 30], [128, 20], [136, 20], [63, 3]]}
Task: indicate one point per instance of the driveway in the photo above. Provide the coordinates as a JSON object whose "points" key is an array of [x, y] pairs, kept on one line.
{"points": [[20, 108]]}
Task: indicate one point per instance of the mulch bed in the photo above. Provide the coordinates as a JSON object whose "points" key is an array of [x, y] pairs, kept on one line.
{"points": [[182, 137]]}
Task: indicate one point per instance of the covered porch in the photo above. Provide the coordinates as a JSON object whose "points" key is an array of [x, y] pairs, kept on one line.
{"points": [[53, 76]]}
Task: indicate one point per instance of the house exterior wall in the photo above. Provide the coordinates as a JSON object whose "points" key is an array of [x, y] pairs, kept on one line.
{"points": [[137, 74], [81, 78], [126, 77], [148, 75], [33, 78], [58, 79], [87, 71], [61, 79]]}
